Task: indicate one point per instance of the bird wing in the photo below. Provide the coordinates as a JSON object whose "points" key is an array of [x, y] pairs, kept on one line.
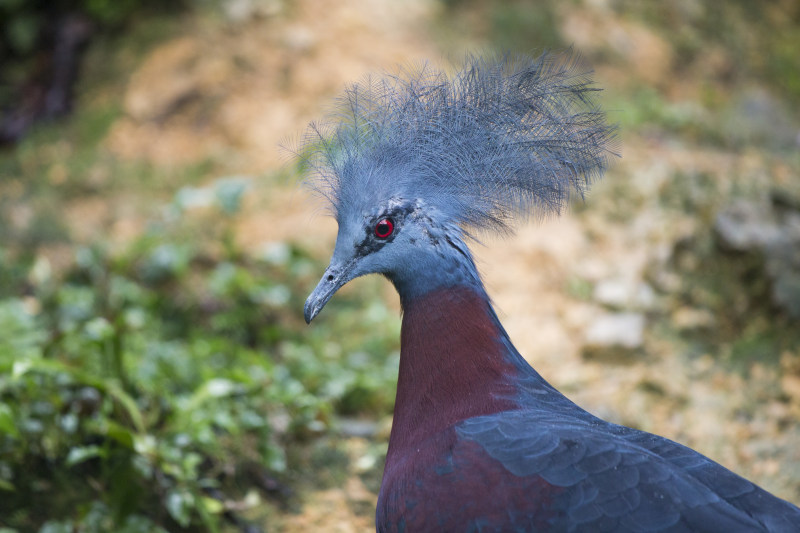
{"points": [[774, 513], [616, 479]]}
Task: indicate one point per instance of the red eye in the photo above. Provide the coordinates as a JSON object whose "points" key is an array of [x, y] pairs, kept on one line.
{"points": [[384, 228]]}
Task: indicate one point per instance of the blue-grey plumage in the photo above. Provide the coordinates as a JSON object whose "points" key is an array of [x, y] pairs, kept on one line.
{"points": [[412, 166], [503, 137]]}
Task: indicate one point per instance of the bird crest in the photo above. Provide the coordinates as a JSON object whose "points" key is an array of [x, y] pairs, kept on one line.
{"points": [[503, 137]]}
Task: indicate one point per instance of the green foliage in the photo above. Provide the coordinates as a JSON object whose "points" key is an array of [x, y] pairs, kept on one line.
{"points": [[140, 387]]}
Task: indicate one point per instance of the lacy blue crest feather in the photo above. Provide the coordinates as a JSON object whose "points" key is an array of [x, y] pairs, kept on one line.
{"points": [[502, 138]]}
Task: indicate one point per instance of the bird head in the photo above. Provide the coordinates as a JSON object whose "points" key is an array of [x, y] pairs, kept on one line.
{"points": [[402, 239], [413, 164]]}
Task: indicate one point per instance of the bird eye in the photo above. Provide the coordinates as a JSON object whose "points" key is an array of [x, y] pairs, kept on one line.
{"points": [[384, 228]]}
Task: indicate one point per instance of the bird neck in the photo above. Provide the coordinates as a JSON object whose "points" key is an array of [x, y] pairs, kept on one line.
{"points": [[456, 362], [444, 261]]}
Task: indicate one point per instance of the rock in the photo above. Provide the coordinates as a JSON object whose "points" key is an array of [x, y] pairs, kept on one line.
{"points": [[617, 329], [690, 318], [757, 117], [783, 266], [746, 225], [791, 386], [615, 337], [239, 11], [299, 38], [621, 293], [353, 427]]}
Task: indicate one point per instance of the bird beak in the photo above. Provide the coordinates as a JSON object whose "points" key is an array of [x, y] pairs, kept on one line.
{"points": [[332, 280]]}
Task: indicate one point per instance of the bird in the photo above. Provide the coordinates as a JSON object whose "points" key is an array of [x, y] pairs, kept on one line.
{"points": [[417, 164]]}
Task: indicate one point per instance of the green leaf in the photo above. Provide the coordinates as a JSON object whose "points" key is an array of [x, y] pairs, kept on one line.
{"points": [[83, 453], [110, 387], [179, 504], [23, 32], [7, 424], [229, 192], [56, 527], [119, 433], [22, 336], [98, 329], [129, 404], [212, 506]]}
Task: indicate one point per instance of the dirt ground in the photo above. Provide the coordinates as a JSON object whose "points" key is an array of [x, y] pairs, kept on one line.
{"points": [[235, 89]]}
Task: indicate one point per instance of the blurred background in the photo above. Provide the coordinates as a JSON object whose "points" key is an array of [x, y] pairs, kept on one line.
{"points": [[156, 249]]}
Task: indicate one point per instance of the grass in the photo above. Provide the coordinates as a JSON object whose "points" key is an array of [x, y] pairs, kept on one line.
{"points": [[138, 385]]}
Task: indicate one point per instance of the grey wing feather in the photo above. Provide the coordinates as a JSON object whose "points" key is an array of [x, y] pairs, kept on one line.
{"points": [[775, 514], [620, 479]]}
